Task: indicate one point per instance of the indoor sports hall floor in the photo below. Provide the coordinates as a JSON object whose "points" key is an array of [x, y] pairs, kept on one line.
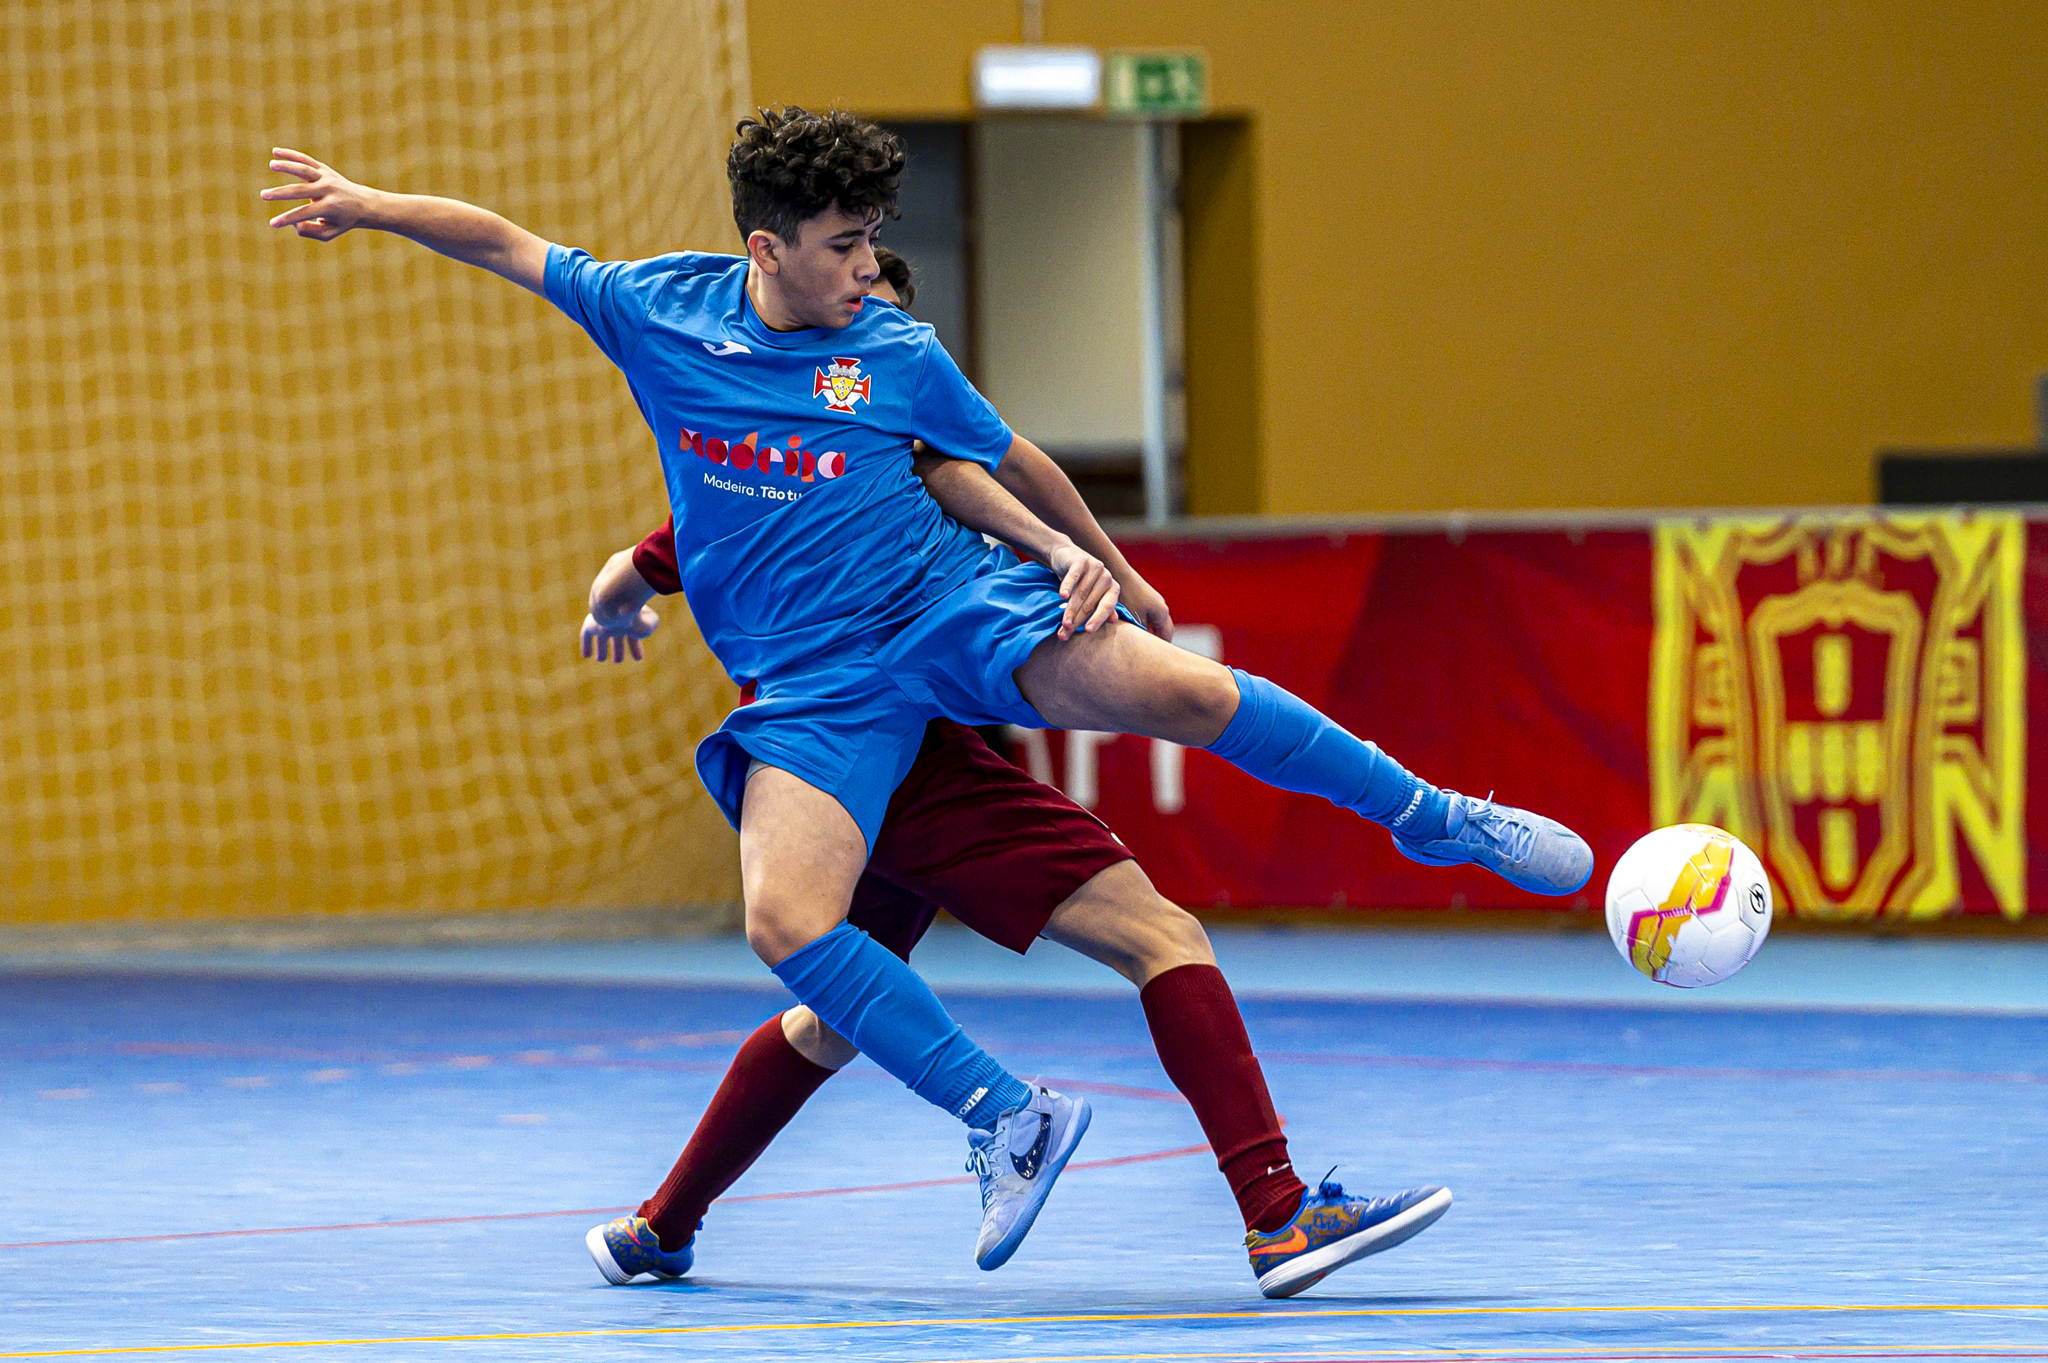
{"points": [[394, 1154]]}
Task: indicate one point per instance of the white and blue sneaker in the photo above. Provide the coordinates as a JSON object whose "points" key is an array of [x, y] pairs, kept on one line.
{"points": [[627, 1248], [1331, 1229], [1527, 850], [1018, 1163]]}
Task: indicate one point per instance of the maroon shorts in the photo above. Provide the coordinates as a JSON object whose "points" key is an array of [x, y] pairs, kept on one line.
{"points": [[970, 833]]}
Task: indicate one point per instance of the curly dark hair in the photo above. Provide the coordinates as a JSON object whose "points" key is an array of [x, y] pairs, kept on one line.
{"points": [[896, 270], [791, 164]]}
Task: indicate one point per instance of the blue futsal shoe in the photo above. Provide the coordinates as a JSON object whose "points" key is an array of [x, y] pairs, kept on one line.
{"points": [[1018, 1163], [628, 1248], [1330, 1230], [1527, 850]]}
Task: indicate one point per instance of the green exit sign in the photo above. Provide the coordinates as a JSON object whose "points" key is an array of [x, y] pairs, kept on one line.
{"points": [[1156, 84]]}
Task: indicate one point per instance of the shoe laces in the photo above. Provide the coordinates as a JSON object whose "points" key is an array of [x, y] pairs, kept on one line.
{"points": [[1510, 837], [1330, 1188], [985, 1161]]}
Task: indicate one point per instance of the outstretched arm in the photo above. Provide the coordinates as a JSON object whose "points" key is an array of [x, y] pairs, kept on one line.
{"points": [[335, 204], [1043, 490]]}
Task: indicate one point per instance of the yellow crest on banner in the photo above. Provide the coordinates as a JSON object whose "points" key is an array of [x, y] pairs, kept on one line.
{"points": [[1847, 694]]}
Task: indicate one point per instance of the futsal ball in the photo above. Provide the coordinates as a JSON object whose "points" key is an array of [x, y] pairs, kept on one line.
{"points": [[1688, 905]]}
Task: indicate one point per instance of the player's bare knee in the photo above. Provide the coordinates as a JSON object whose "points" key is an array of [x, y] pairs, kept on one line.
{"points": [[1191, 699], [1208, 698], [1121, 921], [767, 939], [778, 926], [1190, 938], [1173, 938]]}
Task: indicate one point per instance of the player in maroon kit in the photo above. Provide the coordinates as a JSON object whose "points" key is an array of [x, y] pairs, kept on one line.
{"points": [[1013, 859]]}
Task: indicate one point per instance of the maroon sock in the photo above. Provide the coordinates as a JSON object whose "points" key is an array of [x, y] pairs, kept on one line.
{"points": [[766, 1085], [1202, 1043]]}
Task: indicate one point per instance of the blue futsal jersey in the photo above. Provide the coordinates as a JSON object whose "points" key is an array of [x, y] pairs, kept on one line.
{"points": [[802, 535]]}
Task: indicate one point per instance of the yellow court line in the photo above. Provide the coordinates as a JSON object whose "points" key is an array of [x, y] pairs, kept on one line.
{"points": [[767, 1327]]}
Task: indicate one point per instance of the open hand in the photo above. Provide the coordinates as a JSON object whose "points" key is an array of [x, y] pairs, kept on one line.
{"points": [[333, 204], [609, 643], [1087, 585]]}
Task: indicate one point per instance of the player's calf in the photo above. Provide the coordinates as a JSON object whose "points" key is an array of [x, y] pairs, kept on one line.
{"points": [[800, 856]]}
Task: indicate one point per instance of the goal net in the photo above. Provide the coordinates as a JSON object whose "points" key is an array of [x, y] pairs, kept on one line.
{"points": [[294, 538]]}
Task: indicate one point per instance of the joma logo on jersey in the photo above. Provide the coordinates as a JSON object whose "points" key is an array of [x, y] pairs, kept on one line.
{"points": [[842, 384], [750, 453]]}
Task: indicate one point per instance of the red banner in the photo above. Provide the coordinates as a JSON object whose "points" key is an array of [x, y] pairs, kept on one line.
{"points": [[1848, 694]]}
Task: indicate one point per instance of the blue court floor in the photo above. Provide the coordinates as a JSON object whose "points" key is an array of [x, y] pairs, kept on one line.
{"points": [[394, 1155]]}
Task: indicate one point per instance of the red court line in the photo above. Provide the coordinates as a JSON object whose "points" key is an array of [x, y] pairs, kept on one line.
{"points": [[1117, 1091], [1576, 1067], [209, 1050], [1579, 1067], [1120, 1160], [289, 1054], [205, 1050], [272, 1051]]}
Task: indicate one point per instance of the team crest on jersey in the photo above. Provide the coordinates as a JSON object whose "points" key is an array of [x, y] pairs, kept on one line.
{"points": [[842, 384]]}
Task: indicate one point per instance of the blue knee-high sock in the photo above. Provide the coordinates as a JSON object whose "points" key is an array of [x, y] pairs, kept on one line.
{"points": [[868, 995], [1285, 742]]}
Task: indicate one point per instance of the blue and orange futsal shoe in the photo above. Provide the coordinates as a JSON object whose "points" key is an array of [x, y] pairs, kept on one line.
{"points": [[1527, 850], [1330, 1230], [1018, 1163], [628, 1248]]}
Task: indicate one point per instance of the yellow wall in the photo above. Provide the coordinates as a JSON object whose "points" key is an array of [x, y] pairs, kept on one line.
{"points": [[1566, 253]]}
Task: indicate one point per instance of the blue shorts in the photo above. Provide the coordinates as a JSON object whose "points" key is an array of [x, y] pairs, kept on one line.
{"points": [[853, 727]]}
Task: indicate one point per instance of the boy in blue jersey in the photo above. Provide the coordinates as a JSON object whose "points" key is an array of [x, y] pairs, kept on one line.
{"points": [[1014, 861], [821, 571]]}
